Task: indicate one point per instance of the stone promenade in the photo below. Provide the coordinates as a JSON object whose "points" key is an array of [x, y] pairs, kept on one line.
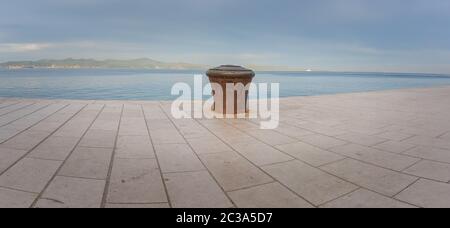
{"points": [[375, 149]]}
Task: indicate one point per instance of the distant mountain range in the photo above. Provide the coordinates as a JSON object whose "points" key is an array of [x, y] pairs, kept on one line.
{"points": [[143, 63]]}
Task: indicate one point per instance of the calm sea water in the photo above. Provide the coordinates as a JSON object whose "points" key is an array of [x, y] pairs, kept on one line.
{"points": [[123, 84]]}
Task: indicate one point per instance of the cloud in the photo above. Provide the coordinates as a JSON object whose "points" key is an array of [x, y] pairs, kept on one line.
{"points": [[22, 47]]}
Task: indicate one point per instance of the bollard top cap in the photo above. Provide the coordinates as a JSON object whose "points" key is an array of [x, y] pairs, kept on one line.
{"points": [[230, 71]]}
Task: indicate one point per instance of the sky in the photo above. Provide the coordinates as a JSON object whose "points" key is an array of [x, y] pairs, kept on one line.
{"points": [[336, 35]]}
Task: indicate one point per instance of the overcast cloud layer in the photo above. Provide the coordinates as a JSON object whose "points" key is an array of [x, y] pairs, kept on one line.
{"points": [[354, 35]]}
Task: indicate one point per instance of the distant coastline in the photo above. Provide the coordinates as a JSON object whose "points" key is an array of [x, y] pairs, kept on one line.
{"points": [[70, 63], [150, 64], [142, 63]]}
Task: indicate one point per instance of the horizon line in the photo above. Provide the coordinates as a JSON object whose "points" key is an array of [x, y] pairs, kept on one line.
{"points": [[292, 68]]}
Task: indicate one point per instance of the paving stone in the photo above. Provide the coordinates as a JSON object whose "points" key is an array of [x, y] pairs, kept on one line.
{"points": [[68, 192], [322, 141], [392, 135], [377, 179], [431, 170], [48, 126], [7, 113], [190, 129], [208, 145], [260, 153], [167, 136], [234, 138], [272, 195], [424, 131], [291, 131], [445, 136], [271, 137], [125, 141], [153, 112], [430, 153], [132, 111], [361, 139], [136, 181], [72, 129], [134, 147], [365, 130], [99, 138], [234, 172], [311, 183], [6, 104], [242, 124], [12, 108], [428, 194], [177, 158], [384, 159], [394, 146], [133, 127], [92, 108], [7, 133], [26, 140], [365, 199], [29, 174], [21, 113], [309, 154], [36, 117], [159, 124], [55, 148], [322, 129], [15, 199], [429, 142], [105, 124], [77, 126], [8, 157], [195, 190], [88, 163], [156, 205]]}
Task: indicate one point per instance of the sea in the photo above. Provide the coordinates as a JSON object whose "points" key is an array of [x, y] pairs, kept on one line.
{"points": [[145, 84]]}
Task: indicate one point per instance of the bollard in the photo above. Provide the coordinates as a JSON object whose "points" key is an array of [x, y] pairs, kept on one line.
{"points": [[230, 86]]}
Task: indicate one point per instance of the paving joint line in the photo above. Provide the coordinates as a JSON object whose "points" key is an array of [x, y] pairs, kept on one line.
{"points": [[252, 186], [392, 197], [412, 165], [156, 155], [37, 110], [29, 151], [365, 162], [258, 167], [18, 109], [138, 203], [347, 194], [198, 157], [111, 162], [279, 163], [417, 180], [273, 147], [75, 177], [9, 105], [330, 163], [16, 189], [317, 133], [71, 152], [181, 172]]}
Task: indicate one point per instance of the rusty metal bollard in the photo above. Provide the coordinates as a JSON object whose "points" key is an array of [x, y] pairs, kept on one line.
{"points": [[237, 76]]}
